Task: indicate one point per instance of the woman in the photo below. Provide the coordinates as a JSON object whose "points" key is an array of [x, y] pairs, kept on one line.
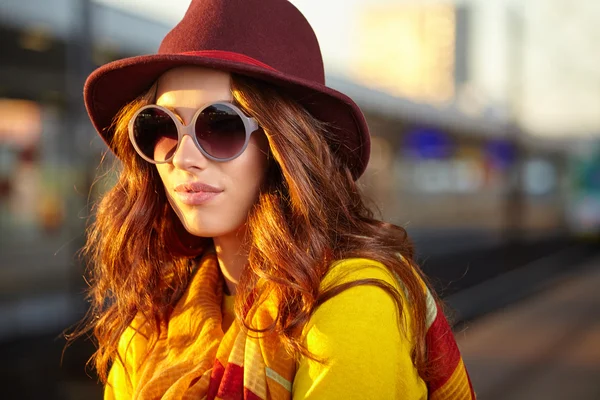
{"points": [[234, 257]]}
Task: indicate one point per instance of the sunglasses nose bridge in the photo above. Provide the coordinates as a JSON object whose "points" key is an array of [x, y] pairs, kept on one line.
{"points": [[188, 154], [188, 130]]}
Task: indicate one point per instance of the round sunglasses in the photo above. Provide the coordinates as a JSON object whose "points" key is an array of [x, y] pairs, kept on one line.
{"points": [[221, 131]]}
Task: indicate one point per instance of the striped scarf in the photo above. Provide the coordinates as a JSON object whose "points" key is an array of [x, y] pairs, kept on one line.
{"points": [[194, 359], [451, 381]]}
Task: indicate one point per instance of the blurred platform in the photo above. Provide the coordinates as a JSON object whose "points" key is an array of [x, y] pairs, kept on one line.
{"points": [[545, 347]]}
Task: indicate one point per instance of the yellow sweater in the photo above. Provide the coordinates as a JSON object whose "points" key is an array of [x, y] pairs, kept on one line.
{"points": [[357, 331]]}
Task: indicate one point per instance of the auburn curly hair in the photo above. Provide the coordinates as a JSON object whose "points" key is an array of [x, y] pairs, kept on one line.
{"points": [[309, 213]]}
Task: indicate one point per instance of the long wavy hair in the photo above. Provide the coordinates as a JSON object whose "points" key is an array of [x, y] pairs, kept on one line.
{"points": [[309, 212]]}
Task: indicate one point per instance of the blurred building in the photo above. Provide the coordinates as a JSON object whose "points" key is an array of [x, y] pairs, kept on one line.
{"points": [[49, 152], [444, 101], [533, 61]]}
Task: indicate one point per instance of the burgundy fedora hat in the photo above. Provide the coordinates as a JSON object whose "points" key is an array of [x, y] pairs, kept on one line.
{"points": [[265, 39]]}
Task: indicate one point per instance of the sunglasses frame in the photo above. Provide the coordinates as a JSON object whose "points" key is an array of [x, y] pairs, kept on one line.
{"points": [[250, 125]]}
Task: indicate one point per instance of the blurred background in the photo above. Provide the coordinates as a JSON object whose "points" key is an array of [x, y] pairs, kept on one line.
{"points": [[485, 117]]}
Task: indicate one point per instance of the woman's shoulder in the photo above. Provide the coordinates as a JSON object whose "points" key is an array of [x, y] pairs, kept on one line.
{"points": [[354, 269], [366, 300], [363, 301], [357, 331]]}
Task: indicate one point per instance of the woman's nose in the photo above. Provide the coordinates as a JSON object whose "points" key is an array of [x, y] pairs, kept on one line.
{"points": [[188, 155]]}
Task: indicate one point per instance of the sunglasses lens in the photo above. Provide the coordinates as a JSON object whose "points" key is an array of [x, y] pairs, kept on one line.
{"points": [[155, 134], [220, 131]]}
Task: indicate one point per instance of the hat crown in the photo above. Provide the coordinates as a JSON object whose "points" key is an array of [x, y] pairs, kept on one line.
{"points": [[273, 32]]}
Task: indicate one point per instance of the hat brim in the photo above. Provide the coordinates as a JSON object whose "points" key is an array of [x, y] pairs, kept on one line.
{"points": [[113, 85]]}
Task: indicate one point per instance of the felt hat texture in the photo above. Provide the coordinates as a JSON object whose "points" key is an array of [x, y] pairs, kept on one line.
{"points": [[269, 40]]}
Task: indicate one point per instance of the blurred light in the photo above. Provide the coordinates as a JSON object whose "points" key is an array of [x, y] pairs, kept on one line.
{"points": [[415, 43], [428, 143], [583, 210], [585, 214], [501, 154], [433, 176], [591, 176], [36, 38], [469, 175], [20, 122], [539, 177]]}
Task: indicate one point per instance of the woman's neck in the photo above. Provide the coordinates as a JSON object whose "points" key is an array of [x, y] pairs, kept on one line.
{"points": [[232, 258]]}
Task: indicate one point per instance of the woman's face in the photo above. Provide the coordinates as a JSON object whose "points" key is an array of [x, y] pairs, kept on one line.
{"points": [[184, 90]]}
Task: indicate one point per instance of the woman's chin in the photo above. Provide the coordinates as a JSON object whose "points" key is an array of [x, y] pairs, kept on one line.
{"points": [[204, 233], [199, 229]]}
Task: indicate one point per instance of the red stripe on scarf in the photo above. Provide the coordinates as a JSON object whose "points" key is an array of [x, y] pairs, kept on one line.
{"points": [[227, 383], [248, 395], [442, 351], [232, 385], [215, 380]]}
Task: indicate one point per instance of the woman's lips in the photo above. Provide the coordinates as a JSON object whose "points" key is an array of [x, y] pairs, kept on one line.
{"points": [[195, 193], [195, 198]]}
